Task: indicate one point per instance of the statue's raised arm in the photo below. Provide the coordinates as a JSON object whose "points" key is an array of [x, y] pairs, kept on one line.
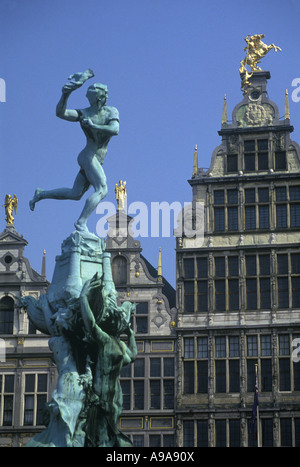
{"points": [[76, 81]]}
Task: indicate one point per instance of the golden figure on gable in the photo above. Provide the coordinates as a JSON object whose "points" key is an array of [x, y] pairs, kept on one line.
{"points": [[256, 49], [121, 191], [10, 204]]}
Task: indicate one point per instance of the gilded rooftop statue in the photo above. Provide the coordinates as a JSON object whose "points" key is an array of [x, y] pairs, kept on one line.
{"points": [[120, 192], [10, 204], [255, 50]]}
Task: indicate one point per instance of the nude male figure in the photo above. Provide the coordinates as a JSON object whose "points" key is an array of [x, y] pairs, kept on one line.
{"points": [[99, 123]]}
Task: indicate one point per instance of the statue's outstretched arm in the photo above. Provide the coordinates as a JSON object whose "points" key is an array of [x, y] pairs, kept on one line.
{"points": [[71, 115]]}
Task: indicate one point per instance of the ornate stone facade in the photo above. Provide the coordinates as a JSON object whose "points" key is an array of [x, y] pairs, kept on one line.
{"points": [[238, 293]]}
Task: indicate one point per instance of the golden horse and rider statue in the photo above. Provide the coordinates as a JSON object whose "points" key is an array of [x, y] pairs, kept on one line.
{"points": [[256, 50]]}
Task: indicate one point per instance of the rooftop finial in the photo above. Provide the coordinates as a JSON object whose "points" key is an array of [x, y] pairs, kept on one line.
{"points": [[224, 114], [44, 264], [195, 163], [159, 268], [286, 106]]}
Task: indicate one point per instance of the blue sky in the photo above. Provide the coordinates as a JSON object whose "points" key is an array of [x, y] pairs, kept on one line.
{"points": [[167, 64]]}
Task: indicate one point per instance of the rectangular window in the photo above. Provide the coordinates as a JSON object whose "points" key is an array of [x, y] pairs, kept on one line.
{"points": [[189, 270], [139, 392], [296, 292], [233, 292], [202, 433], [266, 374], [189, 377], [256, 155], [263, 199], [202, 368], [168, 394], [202, 268], [8, 410], [281, 216], [155, 367], [35, 398], [169, 369], [232, 213], [263, 161], [125, 385], [264, 217], [251, 286], [252, 346], [234, 346], [141, 318], [286, 432], [189, 301], [220, 433], [188, 433], [202, 295], [265, 293], [295, 215], [234, 376], [220, 295], [284, 374], [189, 347], [202, 347], [139, 368], [220, 372], [220, 347], [234, 433], [250, 217], [280, 160], [265, 344], [155, 394], [219, 219], [250, 195], [220, 266], [267, 432], [284, 345], [232, 163], [283, 292], [249, 162], [219, 197], [233, 266]]}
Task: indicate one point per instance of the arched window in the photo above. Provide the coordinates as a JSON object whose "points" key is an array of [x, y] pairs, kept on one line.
{"points": [[6, 315], [119, 270]]}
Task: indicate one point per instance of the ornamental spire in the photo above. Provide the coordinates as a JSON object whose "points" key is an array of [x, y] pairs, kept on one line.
{"points": [[224, 114], [286, 106]]}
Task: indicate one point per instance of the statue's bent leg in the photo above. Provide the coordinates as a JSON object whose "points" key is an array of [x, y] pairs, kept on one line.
{"points": [[96, 176], [81, 185]]}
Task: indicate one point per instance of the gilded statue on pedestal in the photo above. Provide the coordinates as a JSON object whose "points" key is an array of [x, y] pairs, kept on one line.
{"points": [[10, 205], [120, 192], [256, 49]]}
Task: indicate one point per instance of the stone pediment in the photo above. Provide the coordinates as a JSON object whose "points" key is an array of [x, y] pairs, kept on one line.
{"points": [[10, 235]]}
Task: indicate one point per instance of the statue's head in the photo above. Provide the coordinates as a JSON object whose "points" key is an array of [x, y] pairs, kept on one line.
{"points": [[97, 94]]}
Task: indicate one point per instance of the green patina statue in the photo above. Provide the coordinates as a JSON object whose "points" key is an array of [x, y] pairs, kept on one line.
{"points": [[80, 311], [99, 123]]}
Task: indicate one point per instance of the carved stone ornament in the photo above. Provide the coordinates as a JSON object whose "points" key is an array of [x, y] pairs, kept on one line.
{"points": [[254, 114], [257, 114]]}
